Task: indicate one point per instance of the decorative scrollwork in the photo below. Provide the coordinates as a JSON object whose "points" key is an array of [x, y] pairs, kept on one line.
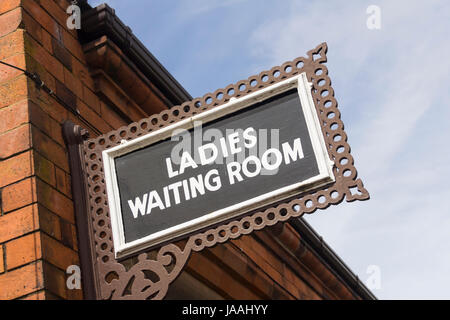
{"points": [[148, 275]]}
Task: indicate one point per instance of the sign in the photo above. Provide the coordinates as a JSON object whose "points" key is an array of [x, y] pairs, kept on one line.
{"points": [[258, 152], [214, 166]]}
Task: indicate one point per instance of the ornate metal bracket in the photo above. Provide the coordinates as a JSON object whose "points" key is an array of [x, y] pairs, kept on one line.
{"points": [[148, 275]]}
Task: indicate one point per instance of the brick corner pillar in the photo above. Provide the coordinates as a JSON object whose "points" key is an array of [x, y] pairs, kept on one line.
{"points": [[38, 238]]}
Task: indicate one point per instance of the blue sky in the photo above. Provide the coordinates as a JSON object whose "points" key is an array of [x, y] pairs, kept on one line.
{"points": [[392, 86]]}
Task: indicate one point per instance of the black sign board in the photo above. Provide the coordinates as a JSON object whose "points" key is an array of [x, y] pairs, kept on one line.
{"points": [[248, 153]]}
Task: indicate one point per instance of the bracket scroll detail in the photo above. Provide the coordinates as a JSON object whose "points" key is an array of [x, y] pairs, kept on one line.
{"points": [[149, 274]]}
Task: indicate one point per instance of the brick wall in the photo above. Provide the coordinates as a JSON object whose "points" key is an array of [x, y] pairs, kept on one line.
{"points": [[37, 226]]}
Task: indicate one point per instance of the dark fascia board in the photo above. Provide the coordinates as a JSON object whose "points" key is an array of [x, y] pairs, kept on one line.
{"points": [[102, 20], [330, 258]]}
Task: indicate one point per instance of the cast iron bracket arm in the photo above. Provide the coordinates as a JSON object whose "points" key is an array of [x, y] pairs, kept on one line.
{"points": [[74, 136]]}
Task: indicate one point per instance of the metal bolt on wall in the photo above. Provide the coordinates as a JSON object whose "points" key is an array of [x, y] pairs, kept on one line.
{"points": [[149, 274]]}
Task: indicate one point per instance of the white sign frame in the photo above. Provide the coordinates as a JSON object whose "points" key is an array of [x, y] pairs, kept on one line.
{"points": [[325, 165]]}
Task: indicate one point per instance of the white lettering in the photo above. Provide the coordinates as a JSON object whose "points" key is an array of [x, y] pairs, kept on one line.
{"points": [[187, 162], [203, 158], [292, 153], [154, 201], [138, 206], [233, 169], [217, 184]]}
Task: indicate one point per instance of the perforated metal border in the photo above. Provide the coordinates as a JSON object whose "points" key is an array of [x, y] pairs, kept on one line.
{"points": [[148, 275]]}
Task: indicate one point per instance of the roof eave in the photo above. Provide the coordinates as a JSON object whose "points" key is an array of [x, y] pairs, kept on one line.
{"points": [[102, 20]]}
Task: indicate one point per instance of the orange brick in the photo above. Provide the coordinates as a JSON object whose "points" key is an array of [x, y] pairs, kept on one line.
{"points": [[46, 21], [49, 149], [10, 21], [49, 223], [49, 105], [111, 117], [91, 99], [13, 116], [58, 254], [81, 72], [40, 295], [18, 195], [22, 281], [62, 182], [75, 294], [43, 57], [63, 4], [62, 54], [15, 169], [2, 262], [15, 141], [72, 44], [7, 73], [222, 279], [68, 235], [55, 201], [18, 223], [13, 91], [47, 41], [42, 120], [55, 281], [55, 11], [23, 250], [32, 26], [35, 67], [44, 169], [93, 117], [66, 95], [12, 44], [7, 5], [39, 118], [73, 83], [57, 133]]}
